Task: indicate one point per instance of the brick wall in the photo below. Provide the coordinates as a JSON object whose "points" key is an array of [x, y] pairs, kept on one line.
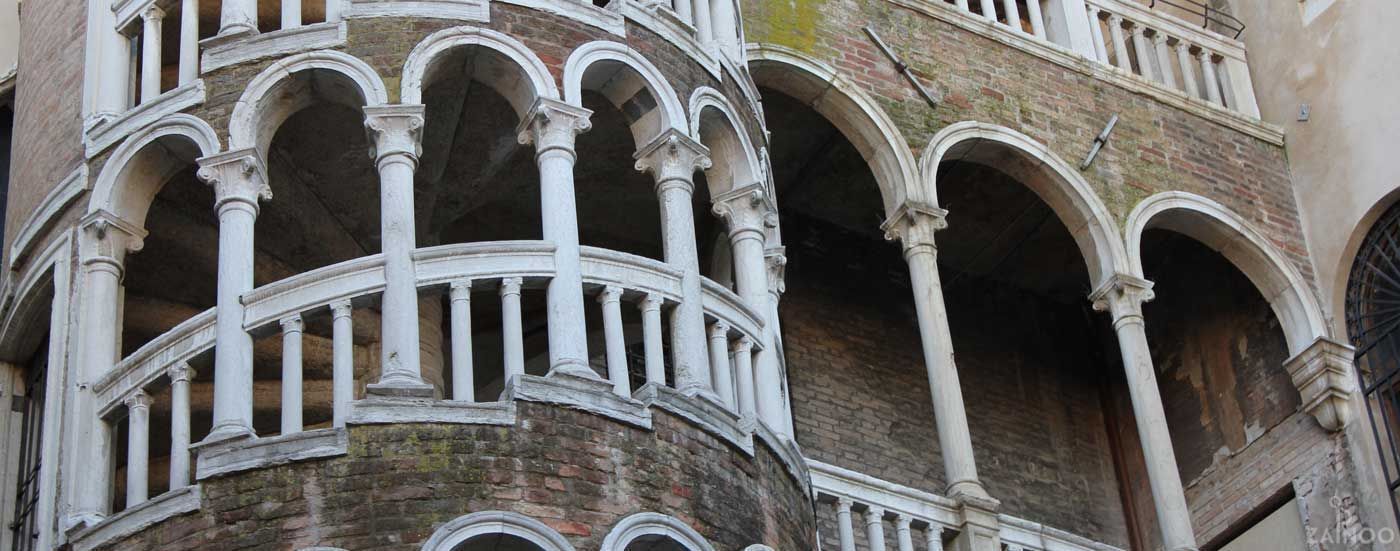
{"points": [[576, 472], [48, 106]]}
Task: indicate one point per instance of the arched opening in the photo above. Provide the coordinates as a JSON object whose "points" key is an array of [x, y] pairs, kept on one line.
{"points": [[1372, 325], [497, 542], [655, 543], [24, 380]]}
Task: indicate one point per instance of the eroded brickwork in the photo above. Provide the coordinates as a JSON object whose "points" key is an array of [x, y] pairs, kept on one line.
{"points": [[576, 472]]}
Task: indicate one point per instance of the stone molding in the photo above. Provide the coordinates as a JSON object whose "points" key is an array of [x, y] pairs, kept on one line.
{"points": [[48, 212], [1322, 373], [698, 411], [464, 10], [102, 134], [591, 395], [456, 531], [393, 410], [218, 52], [137, 518], [237, 455], [609, 19], [641, 525]]}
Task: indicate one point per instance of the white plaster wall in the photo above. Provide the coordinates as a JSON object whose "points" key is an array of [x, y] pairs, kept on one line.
{"points": [[1342, 57], [9, 36]]}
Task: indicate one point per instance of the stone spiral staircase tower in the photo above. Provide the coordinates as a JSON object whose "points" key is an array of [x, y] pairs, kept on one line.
{"points": [[435, 274]]}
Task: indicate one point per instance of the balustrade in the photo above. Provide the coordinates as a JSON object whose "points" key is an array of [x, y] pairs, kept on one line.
{"points": [[510, 269], [1135, 39]]}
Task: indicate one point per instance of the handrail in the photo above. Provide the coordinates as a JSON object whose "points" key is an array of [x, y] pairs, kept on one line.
{"points": [[1204, 12], [190, 338]]}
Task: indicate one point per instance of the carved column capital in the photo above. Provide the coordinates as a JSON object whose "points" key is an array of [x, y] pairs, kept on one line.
{"points": [[1115, 20], [843, 504], [138, 401], [746, 209], [913, 225], [552, 125], [1122, 297], [395, 131], [1159, 38], [292, 324], [107, 239], [341, 309], [460, 289], [742, 345], [153, 14], [672, 158], [874, 515], [1182, 46], [1322, 373], [239, 178], [181, 372], [776, 260], [610, 294]]}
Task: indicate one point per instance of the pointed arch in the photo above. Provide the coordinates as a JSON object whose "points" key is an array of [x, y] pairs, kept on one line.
{"points": [[656, 525], [125, 187], [1231, 235], [457, 531], [859, 118], [735, 161], [1052, 179], [265, 105], [425, 59], [588, 67]]}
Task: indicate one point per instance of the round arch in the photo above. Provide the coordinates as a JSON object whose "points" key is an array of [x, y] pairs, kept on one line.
{"points": [[735, 161], [653, 524], [463, 528], [260, 110], [1229, 234], [671, 115], [850, 110], [423, 62], [118, 190], [1048, 176]]}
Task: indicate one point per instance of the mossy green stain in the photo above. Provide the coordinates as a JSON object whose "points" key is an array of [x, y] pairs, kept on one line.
{"points": [[790, 23]]}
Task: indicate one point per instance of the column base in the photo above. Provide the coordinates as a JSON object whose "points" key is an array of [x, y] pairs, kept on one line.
{"points": [[972, 490], [400, 390], [226, 433], [573, 369], [981, 529]]}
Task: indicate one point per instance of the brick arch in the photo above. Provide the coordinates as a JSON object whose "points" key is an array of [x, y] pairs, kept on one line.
{"points": [[856, 115], [264, 106], [1052, 179], [1221, 229], [532, 78]]}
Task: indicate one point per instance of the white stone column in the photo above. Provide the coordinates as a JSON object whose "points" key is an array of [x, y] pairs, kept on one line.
{"points": [[239, 182], [292, 329], [775, 264], [1122, 296], [743, 373], [1239, 86], [291, 13], [1144, 53], [1164, 59], [615, 340], [180, 375], [901, 522], [189, 41], [720, 370], [875, 528], [1120, 45], [238, 17], [989, 10], [333, 9], [138, 447], [672, 159], [651, 339], [745, 211], [1013, 15], [1188, 71], [511, 330], [933, 537], [463, 371], [1096, 34], [106, 240], [726, 27], [552, 126], [111, 59], [395, 133], [1209, 78], [1037, 19], [1068, 24], [704, 31], [151, 19], [914, 225], [845, 530], [342, 362]]}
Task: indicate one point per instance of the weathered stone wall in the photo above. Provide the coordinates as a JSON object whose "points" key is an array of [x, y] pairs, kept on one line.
{"points": [[48, 131], [576, 472]]}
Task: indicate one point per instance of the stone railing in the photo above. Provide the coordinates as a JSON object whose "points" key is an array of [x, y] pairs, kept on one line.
{"points": [[921, 520], [462, 271], [1157, 47]]}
